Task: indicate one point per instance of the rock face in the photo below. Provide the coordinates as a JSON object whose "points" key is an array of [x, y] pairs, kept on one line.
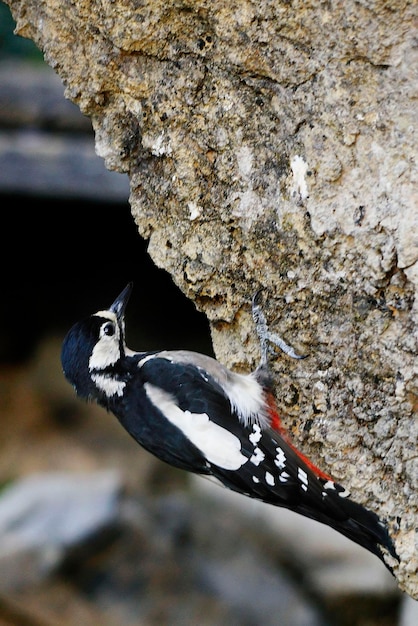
{"points": [[272, 145]]}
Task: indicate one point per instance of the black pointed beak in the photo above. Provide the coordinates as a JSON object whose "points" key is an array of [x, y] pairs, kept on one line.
{"points": [[119, 305]]}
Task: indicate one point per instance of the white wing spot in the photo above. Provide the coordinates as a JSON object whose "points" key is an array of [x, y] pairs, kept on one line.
{"points": [[343, 494], [304, 487], [331, 485], [280, 459], [257, 456], [256, 435], [270, 479], [283, 477], [255, 479], [303, 477]]}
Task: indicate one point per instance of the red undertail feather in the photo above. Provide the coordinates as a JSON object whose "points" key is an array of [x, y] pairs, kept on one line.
{"points": [[277, 425]]}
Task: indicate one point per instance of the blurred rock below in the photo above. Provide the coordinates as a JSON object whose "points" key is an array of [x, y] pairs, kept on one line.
{"points": [[42, 516]]}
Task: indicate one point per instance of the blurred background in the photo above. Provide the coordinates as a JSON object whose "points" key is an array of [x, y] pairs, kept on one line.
{"points": [[93, 530]]}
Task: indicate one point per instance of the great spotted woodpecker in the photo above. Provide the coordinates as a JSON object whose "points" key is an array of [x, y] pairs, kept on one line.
{"points": [[195, 414]]}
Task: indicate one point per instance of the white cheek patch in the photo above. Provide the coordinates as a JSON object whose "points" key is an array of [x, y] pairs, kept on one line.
{"points": [[106, 351], [217, 444]]}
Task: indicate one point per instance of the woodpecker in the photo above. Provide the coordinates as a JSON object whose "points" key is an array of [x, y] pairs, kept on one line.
{"points": [[193, 413]]}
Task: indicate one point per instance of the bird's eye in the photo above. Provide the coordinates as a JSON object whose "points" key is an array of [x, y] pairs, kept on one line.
{"points": [[109, 329]]}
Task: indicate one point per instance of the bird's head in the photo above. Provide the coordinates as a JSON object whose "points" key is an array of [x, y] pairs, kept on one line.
{"points": [[95, 345]]}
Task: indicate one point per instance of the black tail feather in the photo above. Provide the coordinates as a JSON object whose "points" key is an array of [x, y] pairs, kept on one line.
{"points": [[363, 527]]}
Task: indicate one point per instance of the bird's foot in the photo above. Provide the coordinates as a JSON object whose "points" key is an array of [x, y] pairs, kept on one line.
{"points": [[265, 336]]}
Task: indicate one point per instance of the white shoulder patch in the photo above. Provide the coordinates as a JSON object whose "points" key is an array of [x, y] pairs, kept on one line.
{"points": [[217, 444]]}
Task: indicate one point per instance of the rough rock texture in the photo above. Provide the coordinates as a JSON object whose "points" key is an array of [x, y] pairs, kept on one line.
{"points": [[272, 145]]}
